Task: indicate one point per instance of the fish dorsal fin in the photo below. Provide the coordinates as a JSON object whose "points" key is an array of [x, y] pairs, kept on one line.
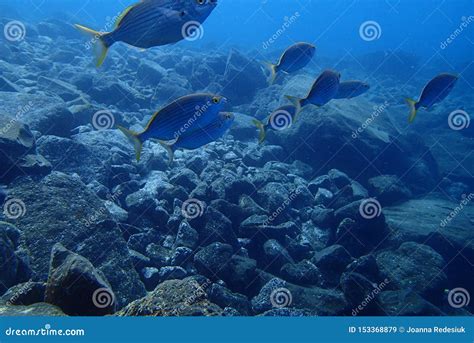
{"points": [[124, 14]]}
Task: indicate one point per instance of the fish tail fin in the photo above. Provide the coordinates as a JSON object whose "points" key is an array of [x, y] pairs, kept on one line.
{"points": [[413, 110], [273, 70], [134, 138], [169, 150], [99, 44], [295, 101], [261, 127]]}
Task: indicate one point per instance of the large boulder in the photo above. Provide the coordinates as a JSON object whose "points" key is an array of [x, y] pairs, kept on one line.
{"points": [[60, 208]]}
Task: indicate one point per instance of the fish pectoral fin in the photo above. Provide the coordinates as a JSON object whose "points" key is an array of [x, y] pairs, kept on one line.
{"points": [[412, 105], [170, 150], [261, 127], [273, 70]]}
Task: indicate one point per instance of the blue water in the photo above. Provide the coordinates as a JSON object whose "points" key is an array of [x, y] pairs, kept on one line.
{"points": [[346, 197]]}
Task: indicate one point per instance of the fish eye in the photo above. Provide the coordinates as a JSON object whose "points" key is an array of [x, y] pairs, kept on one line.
{"points": [[215, 100], [201, 2]]}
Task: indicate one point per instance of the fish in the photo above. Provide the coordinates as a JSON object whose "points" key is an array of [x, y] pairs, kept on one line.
{"points": [[294, 58], [183, 115], [280, 119], [434, 92], [351, 89], [151, 23], [201, 136], [324, 89]]}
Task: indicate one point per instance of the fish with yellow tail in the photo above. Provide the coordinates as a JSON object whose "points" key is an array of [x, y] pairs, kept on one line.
{"points": [[434, 92], [280, 119], [151, 23], [294, 58], [177, 119]]}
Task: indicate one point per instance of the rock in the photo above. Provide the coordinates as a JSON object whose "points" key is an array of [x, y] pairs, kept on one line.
{"points": [[389, 189], [225, 298], [259, 227], [323, 217], [186, 236], [212, 261], [338, 178], [242, 274], [366, 266], [417, 267], [323, 181], [8, 86], [334, 257], [35, 310], [280, 294], [79, 220], [186, 297], [150, 73], [213, 226], [301, 273], [25, 294], [361, 293], [243, 128], [76, 286], [14, 267], [139, 261], [323, 196], [185, 178], [158, 254], [406, 303], [150, 277], [286, 312], [46, 114], [348, 194], [274, 256], [172, 273]]}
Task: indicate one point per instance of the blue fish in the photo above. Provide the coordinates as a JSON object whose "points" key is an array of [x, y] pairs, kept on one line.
{"points": [[351, 89], [151, 23], [280, 119], [434, 92], [201, 136], [182, 116], [294, 58], [324, 89]]}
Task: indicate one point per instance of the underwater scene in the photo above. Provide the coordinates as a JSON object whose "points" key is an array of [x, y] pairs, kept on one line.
{"points": [[236, 158]]}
